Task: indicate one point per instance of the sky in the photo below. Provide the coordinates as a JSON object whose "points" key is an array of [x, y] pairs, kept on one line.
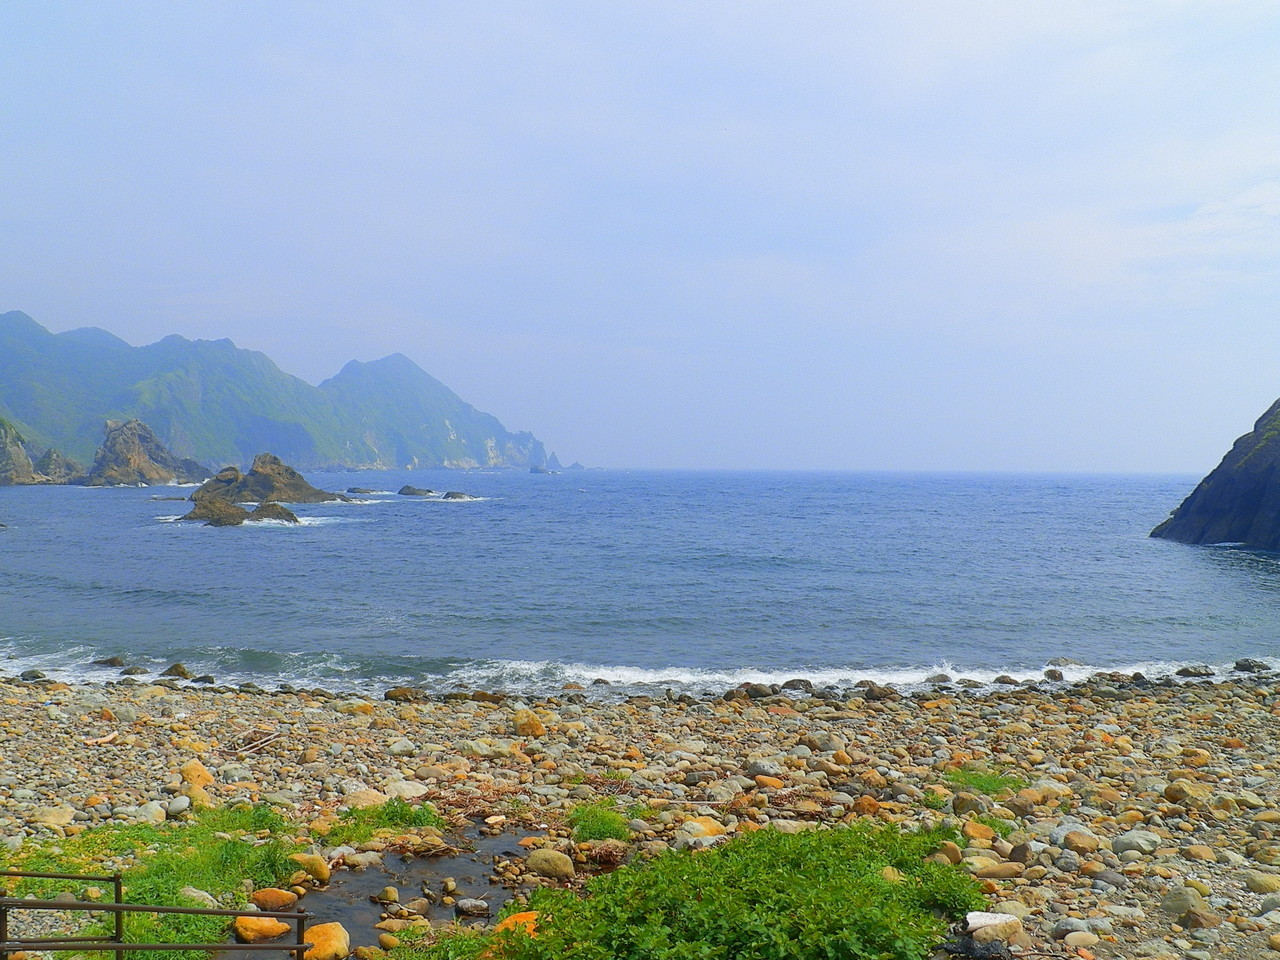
{"points": [[856, 235]]}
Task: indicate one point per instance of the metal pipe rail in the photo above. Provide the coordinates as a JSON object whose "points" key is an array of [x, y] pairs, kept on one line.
{"points": [[15, 903]]}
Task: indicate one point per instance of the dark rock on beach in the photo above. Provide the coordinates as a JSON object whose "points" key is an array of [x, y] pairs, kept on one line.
{"points": [[408, 491], [1197, 671], [405, 694]]}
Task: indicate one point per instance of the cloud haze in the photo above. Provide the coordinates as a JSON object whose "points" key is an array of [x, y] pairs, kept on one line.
{"points": [[829, 235]]}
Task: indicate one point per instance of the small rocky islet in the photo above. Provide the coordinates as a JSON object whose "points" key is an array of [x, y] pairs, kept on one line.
{"points": [[1124, 819]]}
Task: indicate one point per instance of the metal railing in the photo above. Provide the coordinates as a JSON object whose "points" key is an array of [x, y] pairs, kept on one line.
{"points": [[116, 943]]}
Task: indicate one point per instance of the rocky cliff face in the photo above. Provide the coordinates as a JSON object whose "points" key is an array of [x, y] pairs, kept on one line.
{"points": [[1239, 502], [15, 464], [131, 454], [57, 468], [269, 480]]}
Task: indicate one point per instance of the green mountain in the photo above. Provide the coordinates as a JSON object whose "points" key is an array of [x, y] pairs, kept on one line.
{"points": [[213, 402]]}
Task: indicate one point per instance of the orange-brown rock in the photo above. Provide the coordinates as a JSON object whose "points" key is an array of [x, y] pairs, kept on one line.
{"points": [[273, 899], [251, 929], [527, 724], [977, 831], [329, 941], [866, 805], [313, 865], [195, 773]]}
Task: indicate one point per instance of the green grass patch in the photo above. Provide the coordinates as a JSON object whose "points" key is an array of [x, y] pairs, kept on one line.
{"points": [[357, 826], [597, 821], [763, 896], [984, 780], [215, 852]]}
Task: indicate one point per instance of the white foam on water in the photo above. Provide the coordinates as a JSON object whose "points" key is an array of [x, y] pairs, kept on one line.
{"points": [[334, 672]]}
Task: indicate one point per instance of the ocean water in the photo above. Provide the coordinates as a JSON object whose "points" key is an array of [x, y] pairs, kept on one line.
{"points": [[689, 580]]}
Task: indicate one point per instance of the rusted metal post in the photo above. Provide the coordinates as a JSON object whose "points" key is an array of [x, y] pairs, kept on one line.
{"points": [[117, 883]]}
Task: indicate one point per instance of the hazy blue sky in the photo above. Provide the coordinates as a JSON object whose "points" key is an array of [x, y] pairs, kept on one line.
{"points": [[1004, 235]]}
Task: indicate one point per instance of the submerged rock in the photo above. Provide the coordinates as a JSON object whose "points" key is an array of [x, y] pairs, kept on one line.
{"points": [[131, 454], [1239, 501], [408, 491], [273, 511], [220, 513]]}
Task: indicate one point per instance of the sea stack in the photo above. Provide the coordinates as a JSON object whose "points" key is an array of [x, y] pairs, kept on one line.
{"points": [[269, 480], [131, 455], [1239, 502]]}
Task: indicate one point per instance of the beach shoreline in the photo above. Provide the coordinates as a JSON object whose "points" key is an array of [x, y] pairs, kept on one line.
{"points": [[1123, 797]]}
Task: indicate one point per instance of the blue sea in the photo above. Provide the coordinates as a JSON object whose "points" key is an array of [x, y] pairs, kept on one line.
{"points": [[694, 581]]}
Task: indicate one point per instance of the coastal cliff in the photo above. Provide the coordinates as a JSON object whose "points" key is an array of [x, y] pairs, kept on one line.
{"points": [[132, 454], [1239, 501], [15, 463]]}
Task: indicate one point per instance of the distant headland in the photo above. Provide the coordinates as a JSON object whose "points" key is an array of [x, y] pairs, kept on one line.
{"points": [[213, 403], [1239, 501]]}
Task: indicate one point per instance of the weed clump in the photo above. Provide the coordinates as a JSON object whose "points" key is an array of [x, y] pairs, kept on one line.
{"points": [[595, 821], [983, 780], [359, 825], [821, 893]]}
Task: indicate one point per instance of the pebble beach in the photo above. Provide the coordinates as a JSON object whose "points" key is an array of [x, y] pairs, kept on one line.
{"points": [[1145, 820]]}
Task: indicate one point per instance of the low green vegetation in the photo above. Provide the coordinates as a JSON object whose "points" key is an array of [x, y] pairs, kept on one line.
{"points": [[862, 893], [934, 801], [597, 821], [359, 825], [214, 853], [984, 780]]}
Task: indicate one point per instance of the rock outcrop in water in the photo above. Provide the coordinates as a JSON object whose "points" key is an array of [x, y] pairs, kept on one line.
{"points": [[223, 513], [131, 454], [269, 480], [1239, 502], [15, 464]]}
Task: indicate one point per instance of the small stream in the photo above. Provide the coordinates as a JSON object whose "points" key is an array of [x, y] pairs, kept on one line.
{"points": [[347, 897]]}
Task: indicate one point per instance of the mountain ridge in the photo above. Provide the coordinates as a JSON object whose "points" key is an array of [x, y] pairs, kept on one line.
{"points": [[220, 404]]}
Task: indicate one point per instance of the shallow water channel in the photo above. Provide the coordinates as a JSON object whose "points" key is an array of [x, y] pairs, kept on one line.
{"points": [[350, 896]]}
